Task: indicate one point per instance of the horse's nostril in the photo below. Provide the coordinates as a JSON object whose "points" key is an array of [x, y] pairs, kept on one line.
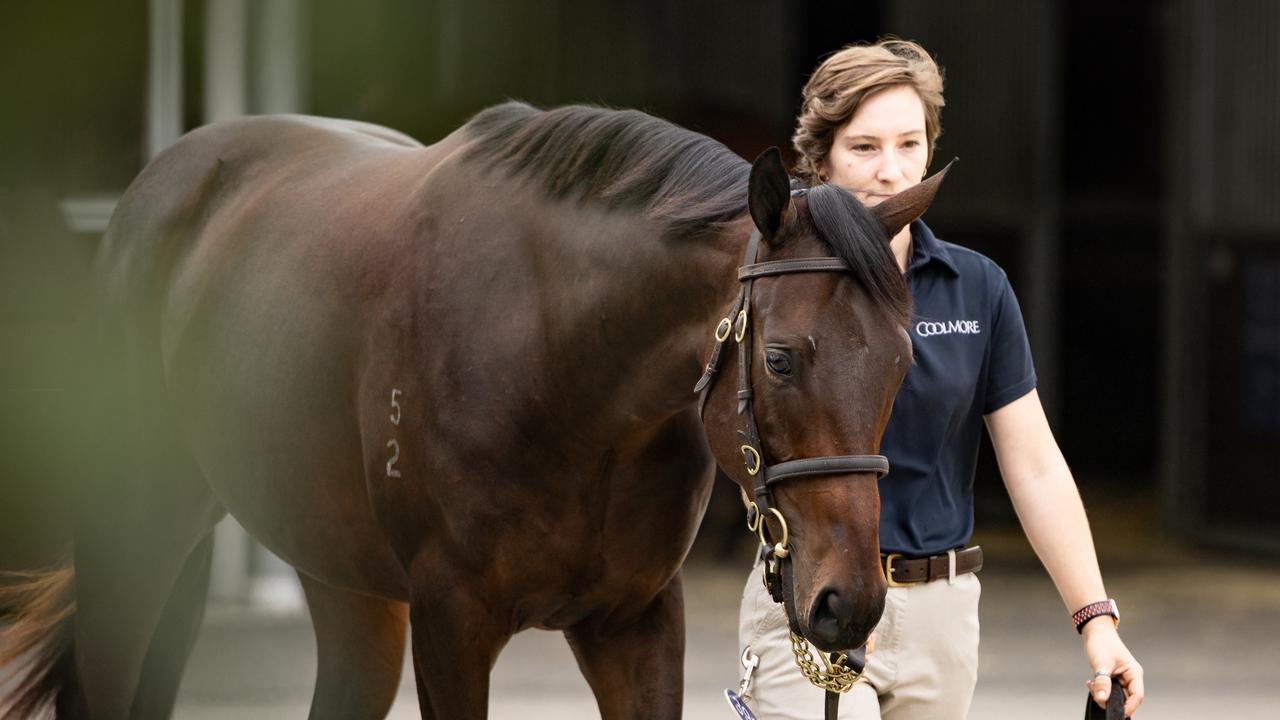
{"points": [[830, 615], [833, 604], [836, 605]]}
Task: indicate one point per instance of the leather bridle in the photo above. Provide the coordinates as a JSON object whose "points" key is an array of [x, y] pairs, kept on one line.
{"points": [[778, 570]]}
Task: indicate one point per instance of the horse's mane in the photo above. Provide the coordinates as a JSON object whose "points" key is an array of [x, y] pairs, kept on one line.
{"points": [[686, 182], [855, 234]]}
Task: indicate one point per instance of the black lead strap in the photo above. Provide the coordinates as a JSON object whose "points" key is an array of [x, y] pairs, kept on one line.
{"points": [[1115, 705]]}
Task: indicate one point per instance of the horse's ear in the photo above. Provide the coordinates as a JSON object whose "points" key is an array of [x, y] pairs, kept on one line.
{"points": [[902, 209], [768, 193]]}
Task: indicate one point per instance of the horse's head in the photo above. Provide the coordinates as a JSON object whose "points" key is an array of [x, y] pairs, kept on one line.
{"points": [[827, 351]]}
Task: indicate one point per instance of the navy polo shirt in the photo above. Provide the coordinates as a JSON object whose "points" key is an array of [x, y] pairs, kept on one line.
{"points": [[971, 357]]}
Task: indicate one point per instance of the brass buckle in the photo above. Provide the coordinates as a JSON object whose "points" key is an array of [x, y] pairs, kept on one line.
{"points": [[888, 570]]}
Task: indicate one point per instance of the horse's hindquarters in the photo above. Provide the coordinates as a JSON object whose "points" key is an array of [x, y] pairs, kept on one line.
{"points": [[248, 265]]}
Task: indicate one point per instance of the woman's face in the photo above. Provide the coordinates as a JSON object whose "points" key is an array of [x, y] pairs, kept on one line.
{"points": [[883, 149]]}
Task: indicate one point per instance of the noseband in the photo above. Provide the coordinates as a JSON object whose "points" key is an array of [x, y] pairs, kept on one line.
{"points": [[837, 677]]}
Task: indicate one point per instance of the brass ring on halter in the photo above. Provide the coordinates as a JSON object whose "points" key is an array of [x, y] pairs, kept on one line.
{"points": [[723, 329], [779, 548], [753, 516], [752, 468], [742, 325]]}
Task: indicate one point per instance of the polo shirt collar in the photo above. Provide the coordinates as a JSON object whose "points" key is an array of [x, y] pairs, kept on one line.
{"points": [[925, 248]]}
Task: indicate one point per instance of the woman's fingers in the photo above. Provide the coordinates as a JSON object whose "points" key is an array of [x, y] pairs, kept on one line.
{"points": [[1131, 678], [1100, 687]]}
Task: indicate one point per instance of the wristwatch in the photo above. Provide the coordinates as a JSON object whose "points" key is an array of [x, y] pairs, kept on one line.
{"points": [[1082, 616]]}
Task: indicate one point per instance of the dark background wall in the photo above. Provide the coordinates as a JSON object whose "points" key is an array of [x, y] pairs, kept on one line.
{"points": [[1119, 160]]}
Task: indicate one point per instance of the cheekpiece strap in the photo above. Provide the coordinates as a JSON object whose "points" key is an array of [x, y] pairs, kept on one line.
{"points": [[740, 306]]}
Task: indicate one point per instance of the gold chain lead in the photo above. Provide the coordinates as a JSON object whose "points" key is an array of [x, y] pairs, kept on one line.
{"points": [[835, 678]]}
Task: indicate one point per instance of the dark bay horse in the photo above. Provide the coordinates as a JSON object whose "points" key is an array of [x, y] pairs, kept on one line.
{"points": [[453, 386]]}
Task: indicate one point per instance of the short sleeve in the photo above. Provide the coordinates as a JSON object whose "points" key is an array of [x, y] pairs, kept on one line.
{"points": [[1010, 371]]}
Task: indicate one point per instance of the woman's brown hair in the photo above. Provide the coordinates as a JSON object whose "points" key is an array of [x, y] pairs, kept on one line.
{"points": [[844, 80]]}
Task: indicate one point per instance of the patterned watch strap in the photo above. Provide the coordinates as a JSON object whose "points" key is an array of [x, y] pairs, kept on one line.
{"points": [[1093, 610]]}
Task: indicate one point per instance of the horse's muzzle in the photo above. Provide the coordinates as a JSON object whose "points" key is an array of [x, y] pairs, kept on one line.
{"points": [[843, 619]]}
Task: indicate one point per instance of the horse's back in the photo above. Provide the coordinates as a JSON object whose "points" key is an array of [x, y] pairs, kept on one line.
{"points": [[160, 218]]}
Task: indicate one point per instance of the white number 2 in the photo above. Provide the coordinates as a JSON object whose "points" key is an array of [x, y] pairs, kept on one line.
{"points": [[395, 455]]}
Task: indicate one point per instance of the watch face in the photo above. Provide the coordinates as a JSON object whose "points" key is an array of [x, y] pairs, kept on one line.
{"points": [[1115, 610]]}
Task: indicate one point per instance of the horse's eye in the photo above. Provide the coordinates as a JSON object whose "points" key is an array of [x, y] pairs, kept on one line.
{"points": [[779, 362]]}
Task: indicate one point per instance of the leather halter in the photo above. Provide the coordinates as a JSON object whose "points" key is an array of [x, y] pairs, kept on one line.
{"points": [[778, 575], [766, 477]]}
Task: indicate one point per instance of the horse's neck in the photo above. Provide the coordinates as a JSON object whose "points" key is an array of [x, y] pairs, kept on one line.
{"points": [[663, 300], [704, 281]]}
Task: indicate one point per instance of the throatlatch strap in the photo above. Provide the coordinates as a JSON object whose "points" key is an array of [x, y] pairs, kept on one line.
{"points": [[703, 388]]}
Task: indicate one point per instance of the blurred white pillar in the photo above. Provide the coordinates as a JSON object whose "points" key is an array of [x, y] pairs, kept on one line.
{"points": [[225, 97], [244, 571], [277, 72], [164, 76], [279, 52], [225, 59]]}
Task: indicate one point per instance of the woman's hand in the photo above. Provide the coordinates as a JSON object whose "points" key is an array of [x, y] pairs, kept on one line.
{"points": [[1108, 656]]}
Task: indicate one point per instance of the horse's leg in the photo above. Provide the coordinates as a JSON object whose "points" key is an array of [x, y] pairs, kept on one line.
{"points": [[636, 669], [175, 637], [456, 640], [138, 521], [124, 577], [142, 506], [360, 648]]}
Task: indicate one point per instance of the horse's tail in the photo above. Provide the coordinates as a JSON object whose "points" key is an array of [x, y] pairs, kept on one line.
{"points": [[37, 639]]}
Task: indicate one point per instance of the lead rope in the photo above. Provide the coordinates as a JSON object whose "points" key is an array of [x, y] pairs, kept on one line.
{"points": [[836, 676]]}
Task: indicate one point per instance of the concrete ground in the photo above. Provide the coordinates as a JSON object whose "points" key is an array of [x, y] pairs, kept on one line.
{"points": [[1206, 627]]}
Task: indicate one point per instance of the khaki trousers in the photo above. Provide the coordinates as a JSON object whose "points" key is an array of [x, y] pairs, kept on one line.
{"points": [[924, 667]]}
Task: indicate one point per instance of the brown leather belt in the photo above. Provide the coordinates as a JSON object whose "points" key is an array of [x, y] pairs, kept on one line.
{"points": [[901, 570]]}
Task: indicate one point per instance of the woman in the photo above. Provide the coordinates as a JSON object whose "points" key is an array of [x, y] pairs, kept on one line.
{"points": [[869, 122]]}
